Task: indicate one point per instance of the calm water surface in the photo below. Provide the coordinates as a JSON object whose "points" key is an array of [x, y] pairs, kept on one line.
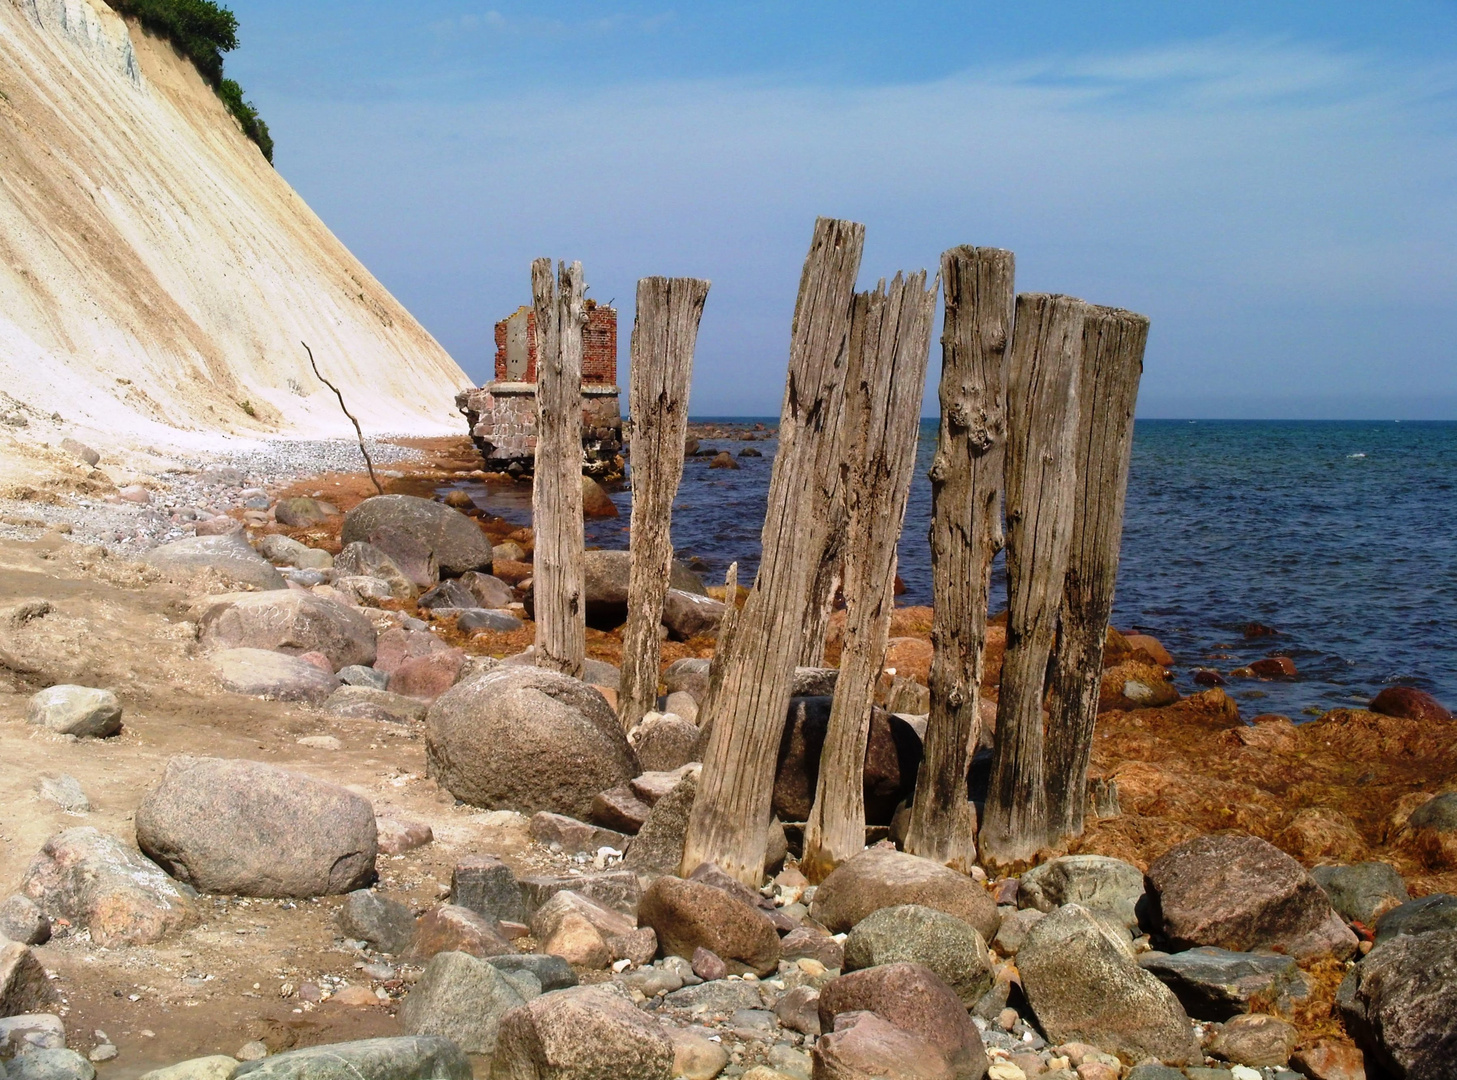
{"points": [[1340, 535]]}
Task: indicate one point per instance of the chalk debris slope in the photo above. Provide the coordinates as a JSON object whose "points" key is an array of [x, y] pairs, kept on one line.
{"points": [[157, 275]]}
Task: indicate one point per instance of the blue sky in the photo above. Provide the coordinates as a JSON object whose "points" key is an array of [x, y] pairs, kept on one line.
{"points": [[1273, 184]]}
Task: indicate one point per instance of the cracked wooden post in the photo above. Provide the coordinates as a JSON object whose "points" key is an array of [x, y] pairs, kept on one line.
{"points": [[1042, 425], [663, 335], [890, 341], [745, 709], [558, 578], [966, 534], [1112, 364]]}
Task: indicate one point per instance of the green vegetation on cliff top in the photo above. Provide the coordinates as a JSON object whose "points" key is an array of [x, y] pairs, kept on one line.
{"points": [[202, 31]]}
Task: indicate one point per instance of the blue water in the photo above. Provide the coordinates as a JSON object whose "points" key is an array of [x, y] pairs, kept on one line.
{"points": [[1342, 536]]}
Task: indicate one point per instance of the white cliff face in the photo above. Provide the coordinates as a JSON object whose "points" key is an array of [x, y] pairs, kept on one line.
{"points": [[157, 275]]}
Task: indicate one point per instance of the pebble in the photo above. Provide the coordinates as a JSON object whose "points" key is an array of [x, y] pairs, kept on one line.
{"points": [[253, 1051], [104, 1052]]}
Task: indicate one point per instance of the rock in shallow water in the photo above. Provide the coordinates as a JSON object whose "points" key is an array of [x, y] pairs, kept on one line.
{"points": [[243, 828]]}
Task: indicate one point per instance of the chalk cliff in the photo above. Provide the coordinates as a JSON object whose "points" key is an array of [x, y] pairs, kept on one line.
{"points": [[157, 275]]}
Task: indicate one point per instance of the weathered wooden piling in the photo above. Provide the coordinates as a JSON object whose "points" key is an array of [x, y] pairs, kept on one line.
{"points": [[890, 339], [745, 709], [1042, 425], [663, 336], [966, 534], [558, 585], [1112, 363]]}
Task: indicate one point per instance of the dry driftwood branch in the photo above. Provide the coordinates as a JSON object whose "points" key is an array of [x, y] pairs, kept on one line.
{"points": [[368, 464]]}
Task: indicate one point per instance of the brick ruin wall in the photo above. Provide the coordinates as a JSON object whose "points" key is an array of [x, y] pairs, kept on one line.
{"points": [[599, 347]]}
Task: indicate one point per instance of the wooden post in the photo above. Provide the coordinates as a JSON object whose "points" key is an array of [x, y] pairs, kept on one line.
{"points": [[1042, 424], [890, 340], [558, 580], [746, 710], [663, 335], [966, 534], [827, 579], [1112, 363]]}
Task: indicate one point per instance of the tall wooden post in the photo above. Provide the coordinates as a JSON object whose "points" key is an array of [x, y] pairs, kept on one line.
{"points": [[663, 336], [966, 534], [1112, 363], [558, 580], [1042, 424], [890, 340], [828, 577], [745, 710]]}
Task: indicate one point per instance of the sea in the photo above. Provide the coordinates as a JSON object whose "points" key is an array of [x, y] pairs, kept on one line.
{"points": [[1341, 536]]}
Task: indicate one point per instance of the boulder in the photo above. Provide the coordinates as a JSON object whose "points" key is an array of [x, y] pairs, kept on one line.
{"points": [[883, 877], [723, 460], [1329, 1059], [688, 675], [273, 675], [605, 920], [365, 560], [664, 742], [1255, 1039], [289, 621], [367, 703], [1432, 832], [244, 828], [1013, 930], [1240, 892], [473, 620], [281, 550], [1400, 1005], [452, 928], [24, 987], [229, 556], [51, 1065], [24, 1032], [687, 915], [658, 846], [448, 594], [606, 586], [1435, 912], [489, 592], [454, 541], [526, 739], [1099, 883], [596, 503], [687, 614], [1084, 986], [486, 885], [462, 999], [300, 512], [397, 644], [921, 935], [695, 1055], [807, 942], [1410, 703], [618, 808], [550, 972], [865, 1047], [65, 791], [96, 882], [1215, 984], [80, 451], [651, 787], [82, 711], [426, 677], [399, 835], [892, 757], [618, 889], [1362, 892], [584, 1033], [1134, 684], [915, 1000], [22, 920], [402, 1057], [386, 924], [572, 836]]}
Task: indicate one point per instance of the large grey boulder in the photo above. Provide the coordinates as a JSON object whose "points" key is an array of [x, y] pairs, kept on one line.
{"points": [[689, 614], [281, 550], [273, 675], [462, 998], [96, 882], [882, 877], [1421, 916], [386, 924], [289, 621], [1240, 892], [526, 739], [408, 1057], [921, 935], [658, 846], [664, 742], [1097, 882], [367, 703], [230, 556], [1400, 1005], [606, 586], [584, 1033], [454, 540], [83, 711], [1215, 984], [50, 1065], [243, 828], [24, 1032], [1084, 986], [1363, 892]]}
